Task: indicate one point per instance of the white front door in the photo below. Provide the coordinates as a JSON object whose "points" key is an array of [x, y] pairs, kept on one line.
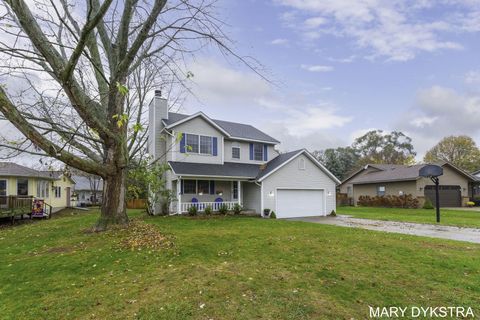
{"points": [[293, 203]]}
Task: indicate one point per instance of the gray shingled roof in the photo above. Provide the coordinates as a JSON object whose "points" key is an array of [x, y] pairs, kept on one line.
{"points": [[83, 183], [236, 130], [394, 172], [276, 162], [228, 169], [15, 170], [231, 169]]}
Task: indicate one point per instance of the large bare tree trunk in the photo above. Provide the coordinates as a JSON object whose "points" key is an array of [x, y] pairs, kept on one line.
{"points": [[113, 209]]}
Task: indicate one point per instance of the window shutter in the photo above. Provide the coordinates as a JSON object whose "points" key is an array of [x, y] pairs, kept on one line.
{"points": [[181, 186], [251, 151], [214, 147], [265, 152], [182, 148], [212, 186]]}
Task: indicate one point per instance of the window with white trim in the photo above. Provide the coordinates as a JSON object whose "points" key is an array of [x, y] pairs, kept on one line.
{"points": [[192, 143], [206, 145], [235, 152], [235, 190], [58, 192], [189, 186], [42, 189], [381, 191], [22, 187], [258, 152], [204, 186]]}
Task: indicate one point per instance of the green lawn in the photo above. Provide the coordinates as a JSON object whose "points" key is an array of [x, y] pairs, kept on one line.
{"points": [[227, 268], [460, 218]]}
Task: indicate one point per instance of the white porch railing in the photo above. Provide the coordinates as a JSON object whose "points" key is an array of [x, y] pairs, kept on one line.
{"points": [[185, 206]]}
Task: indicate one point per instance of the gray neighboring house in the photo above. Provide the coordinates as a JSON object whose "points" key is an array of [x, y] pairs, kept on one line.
{"points": [[456, 185], [88, 190], [476, 187], [215, 162]]}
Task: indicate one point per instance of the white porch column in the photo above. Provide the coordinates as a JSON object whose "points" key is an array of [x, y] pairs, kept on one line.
{"points": [[179, 195], [239, 192]]}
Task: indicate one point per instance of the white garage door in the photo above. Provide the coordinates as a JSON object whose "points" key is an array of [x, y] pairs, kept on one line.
{"points": [[293, 203]]}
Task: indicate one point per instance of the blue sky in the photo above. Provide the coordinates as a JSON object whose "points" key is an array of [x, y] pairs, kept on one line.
{"points": [[342, 67]]}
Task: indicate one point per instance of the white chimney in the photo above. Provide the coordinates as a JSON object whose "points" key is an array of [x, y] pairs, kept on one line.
{"points": [[157, 110]]}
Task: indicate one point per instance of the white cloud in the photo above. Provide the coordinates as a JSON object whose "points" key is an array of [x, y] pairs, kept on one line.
{"points": [[316, 68], [396, 29], [314, 22], [439, 112], [279, 41], [221, 83], [422, 122], [472, 77], [303, 120]]}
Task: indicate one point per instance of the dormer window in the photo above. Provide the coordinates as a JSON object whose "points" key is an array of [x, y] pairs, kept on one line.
{"points": [[258, 152], [235, 152]]}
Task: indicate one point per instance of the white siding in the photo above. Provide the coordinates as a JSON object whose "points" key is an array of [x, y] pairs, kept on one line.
{"points": [[201, 127], [290, 176], [245, 152], [251, 196]]}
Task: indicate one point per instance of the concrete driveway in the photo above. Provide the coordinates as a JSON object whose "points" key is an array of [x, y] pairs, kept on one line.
{"points": [[416, 229]]}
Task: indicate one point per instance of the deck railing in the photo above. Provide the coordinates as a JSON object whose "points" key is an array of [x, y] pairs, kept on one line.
{"points": [[215, 206], [16, 202]]}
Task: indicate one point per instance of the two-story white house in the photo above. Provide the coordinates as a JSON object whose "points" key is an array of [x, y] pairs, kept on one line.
{"points": [[215, 162]]}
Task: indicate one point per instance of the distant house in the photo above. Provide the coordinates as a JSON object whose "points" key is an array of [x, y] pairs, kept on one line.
{"points": [[456, 185], [54, 187], [88, 190]]}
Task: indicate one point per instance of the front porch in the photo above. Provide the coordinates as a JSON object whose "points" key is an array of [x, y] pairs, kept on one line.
{"points": [[207, 192]]}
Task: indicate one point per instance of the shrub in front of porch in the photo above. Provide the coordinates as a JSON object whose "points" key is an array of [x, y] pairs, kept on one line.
{"points": [[223, 209], [237, 208], [208, 210], [192, 211]]}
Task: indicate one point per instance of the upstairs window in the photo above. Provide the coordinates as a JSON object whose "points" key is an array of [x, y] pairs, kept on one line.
{"points": [[380, 191], [192, 143], [206, 145], [258, 152], [22, 187], [236, 152]]}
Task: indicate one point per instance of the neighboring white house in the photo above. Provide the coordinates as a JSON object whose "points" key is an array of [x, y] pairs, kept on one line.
{"points": [[89, 190], [217, 162]]}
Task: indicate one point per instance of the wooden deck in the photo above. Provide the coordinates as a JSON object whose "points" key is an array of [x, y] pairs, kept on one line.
{"points": [[18, 206]]}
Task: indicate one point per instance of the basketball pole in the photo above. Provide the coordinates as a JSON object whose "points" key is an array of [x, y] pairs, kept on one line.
{"points": [[437, 197]]}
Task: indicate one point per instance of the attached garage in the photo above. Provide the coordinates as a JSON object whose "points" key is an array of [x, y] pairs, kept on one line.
{"points": [[300, 203], [295, 185], [450, 196]]}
